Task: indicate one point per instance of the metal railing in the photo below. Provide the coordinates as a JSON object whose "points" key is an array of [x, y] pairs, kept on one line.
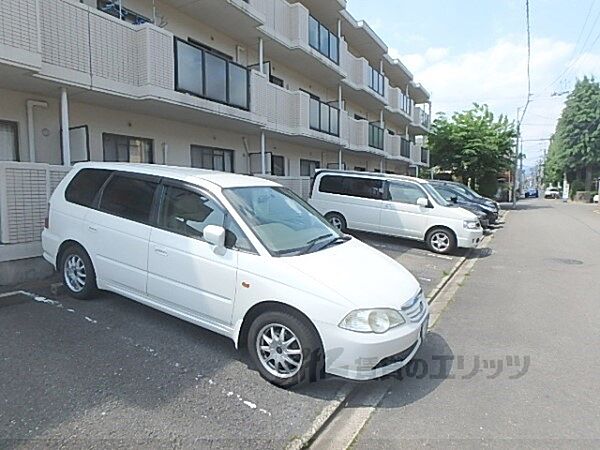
{"points": [[324, 117]]}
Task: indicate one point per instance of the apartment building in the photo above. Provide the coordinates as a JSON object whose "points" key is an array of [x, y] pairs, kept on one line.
{"points": [[266, 87], [252, 86]]}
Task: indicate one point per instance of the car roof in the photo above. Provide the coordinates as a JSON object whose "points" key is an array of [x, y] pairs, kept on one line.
{"points": [[378, 175], [187, 174]]}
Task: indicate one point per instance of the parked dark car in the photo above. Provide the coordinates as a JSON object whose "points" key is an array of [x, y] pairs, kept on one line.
{"points": [[469, 193], [452, 194], [532, 193]]}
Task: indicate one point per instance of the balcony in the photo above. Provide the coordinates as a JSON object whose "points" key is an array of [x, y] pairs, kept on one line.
{"points": [[368, 87], [360, 136], [419, 155], [400, 106], [307, 46], [421, 118], [425, 156], [297, 114], [80, 46]]}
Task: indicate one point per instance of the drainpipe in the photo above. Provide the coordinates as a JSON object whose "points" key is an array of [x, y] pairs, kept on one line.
{"points": [[340, 101], [339, 28], [263, 156], [340, 159], [261, 55], [30, 125], [64, 126]]}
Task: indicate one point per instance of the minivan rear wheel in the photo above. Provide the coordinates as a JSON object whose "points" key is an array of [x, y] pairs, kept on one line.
{"points": [[78, 274], [337, 221], [284, 349], [441, 240]]}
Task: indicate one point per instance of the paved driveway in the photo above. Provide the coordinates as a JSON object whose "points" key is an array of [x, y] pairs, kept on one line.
{"points": [[114, 372]]}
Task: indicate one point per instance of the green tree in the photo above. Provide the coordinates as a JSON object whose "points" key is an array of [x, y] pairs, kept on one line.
{"points": [[473, 144], [575, 146]]}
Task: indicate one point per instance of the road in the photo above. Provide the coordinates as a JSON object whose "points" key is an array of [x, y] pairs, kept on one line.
{"points": [[114, 372], [514, 359]]}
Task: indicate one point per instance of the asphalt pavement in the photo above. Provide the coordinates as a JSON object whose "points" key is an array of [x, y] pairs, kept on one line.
{"points": [[514, 360], [111, 372]]}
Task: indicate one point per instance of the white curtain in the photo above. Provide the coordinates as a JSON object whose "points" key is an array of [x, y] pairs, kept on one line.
{"points": [[8, 141]]}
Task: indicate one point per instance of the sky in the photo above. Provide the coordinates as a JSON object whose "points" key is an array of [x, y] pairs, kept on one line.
{"points": [[466, 51]]}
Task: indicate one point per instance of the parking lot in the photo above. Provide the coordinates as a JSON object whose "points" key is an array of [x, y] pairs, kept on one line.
{"points": [[112, 371]]}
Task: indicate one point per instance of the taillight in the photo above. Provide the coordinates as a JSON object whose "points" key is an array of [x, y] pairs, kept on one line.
{"points": [[47, 218]]}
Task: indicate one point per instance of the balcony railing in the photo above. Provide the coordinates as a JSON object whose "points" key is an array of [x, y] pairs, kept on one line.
{"points": [[421, 117], [324, 117], [376, 134], [376, 81], [424, 155], [405, 148], [323, 40], [208, 75], [360, 75]]}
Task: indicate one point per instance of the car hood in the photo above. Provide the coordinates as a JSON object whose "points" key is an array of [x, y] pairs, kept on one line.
{"points": [[362, 275]]}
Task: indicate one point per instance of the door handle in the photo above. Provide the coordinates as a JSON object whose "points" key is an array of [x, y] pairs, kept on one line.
{"points": [[388, 206], [92, 229], [161, 252]]}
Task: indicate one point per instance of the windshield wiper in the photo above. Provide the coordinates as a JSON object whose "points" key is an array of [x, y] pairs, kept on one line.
{"points": [[335, 241], [312, 243]]}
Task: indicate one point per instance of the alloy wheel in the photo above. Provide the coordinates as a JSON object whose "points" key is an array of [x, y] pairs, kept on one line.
{"points": [[279, 350], [74, 273], [440, 241]]}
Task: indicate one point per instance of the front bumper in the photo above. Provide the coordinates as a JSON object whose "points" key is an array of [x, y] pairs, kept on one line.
{"points": [[365, 356], [470, 238]]}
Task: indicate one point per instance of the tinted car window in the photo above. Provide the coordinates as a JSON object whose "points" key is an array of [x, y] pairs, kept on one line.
{"points": [[186, 212], [128, 197], [406, 193], [353, 186], [85, 185]]}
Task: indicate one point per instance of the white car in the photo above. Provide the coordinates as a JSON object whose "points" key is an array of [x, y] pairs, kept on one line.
{"points": [[394, 205], [241, 256], [552, 192], [596, 198]]}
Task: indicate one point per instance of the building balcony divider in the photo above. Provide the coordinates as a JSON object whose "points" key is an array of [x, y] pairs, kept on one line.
{"points": [[359, 136], [399, 102], [421, 118], [289, 23], [392, 145], [360, 76], [296, 113]]}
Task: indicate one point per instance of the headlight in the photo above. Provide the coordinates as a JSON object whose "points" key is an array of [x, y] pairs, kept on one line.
{"points": [[471, 224], [372, 320]]}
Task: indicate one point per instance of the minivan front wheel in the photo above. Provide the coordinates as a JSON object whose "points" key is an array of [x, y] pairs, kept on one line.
{"points": [[336, 220], [441, 240], [78, 273], [284, 349]]}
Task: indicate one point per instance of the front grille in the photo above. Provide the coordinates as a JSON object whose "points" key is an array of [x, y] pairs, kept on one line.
{"points": [[398, 357], [414, 310]]}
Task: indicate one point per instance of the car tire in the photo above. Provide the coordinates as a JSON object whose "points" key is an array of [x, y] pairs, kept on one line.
{"points": [[441, 240], [77, 272], [289, 361], [337, 221]]}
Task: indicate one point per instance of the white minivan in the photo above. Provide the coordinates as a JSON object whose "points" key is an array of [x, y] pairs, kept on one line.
{"points": [[395, 205], [241, 256]]}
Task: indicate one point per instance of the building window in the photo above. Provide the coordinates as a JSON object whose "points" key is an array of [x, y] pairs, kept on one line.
{"points": [[118, 148], [208, 74], [308, 167], [375, 136], [278, 165], [116, 9], [323, 40], [323, 117], [212, 158], [376, 81], [9, 141], [276, 80]]}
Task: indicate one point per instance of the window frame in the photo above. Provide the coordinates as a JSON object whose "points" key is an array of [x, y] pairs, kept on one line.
{"points": [[388, 196], [178, 184], [309, 161], [129, 138], [134, 175], [95, 199], [17, 157], [204, 148], [329, 36], [204, 50]]}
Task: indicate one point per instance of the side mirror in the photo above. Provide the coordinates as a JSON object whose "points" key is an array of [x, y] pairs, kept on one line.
{"points": [[422, 201], [214, 235], [454, 199]]}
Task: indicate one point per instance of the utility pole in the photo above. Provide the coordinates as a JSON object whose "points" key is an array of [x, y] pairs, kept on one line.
{"points": [[516, 162]]}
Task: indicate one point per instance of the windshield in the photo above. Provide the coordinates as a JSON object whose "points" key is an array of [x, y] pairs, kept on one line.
{"points": [[439, 199], [283, 222]]}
